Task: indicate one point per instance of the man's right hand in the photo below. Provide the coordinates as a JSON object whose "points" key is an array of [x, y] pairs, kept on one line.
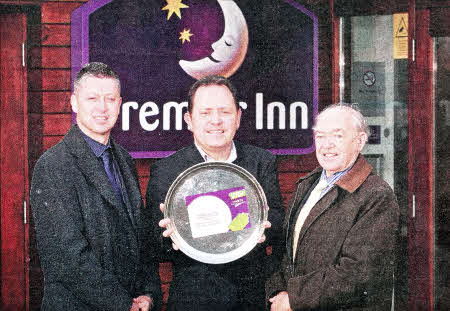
{"points": [[163, 223], [280, 302]]}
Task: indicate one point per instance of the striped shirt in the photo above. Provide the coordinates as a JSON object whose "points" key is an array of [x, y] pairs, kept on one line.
{"points": [[332, 179]]}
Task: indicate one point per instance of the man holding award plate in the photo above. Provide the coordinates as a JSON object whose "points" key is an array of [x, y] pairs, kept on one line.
{"points": [[217, 193]]}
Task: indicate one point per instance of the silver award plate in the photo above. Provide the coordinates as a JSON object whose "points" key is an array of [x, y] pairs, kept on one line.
{"points": [[217, 211]]}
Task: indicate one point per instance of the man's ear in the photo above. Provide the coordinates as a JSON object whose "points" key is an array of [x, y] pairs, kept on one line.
{"points": [[362, 139], [239, 118], [74, 103], [188, 120], [119, 105]]}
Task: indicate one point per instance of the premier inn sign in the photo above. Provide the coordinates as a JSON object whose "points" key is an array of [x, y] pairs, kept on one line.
{"points": [[159, 48]]}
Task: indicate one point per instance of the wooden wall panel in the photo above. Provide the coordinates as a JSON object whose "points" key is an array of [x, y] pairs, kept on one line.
{"points": [[49, 124], [56, 124], [56, 35], [34, 56], [165, 273], [47, 79], [55, 57], [53, 102], [143, 181], [57, 12], [13, 163], [143, 166], [55, 80]]}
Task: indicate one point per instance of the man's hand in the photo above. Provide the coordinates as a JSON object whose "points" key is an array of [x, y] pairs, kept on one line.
{"points": [[280, 302], [163, 223], [266, 225], [142, 303]]}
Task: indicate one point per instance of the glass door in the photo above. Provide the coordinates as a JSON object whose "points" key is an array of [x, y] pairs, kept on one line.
{"points": [[374, 79]]}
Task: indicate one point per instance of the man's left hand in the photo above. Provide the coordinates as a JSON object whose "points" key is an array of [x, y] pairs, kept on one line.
{"points": [[280, 302]]}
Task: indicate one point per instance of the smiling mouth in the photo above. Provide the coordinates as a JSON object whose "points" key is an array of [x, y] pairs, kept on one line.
{"points": [[213, 59]]}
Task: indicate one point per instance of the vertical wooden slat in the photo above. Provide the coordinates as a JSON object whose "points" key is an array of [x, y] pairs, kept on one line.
{"points": [[420, 119], [26, 169], [13, 166], [335, 71]]}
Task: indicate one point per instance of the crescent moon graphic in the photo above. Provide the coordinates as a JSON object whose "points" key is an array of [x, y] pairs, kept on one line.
{"points": [[229, 50]]}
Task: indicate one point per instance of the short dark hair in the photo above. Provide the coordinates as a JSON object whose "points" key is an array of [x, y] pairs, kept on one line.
{"points": [[211, 80], [95, 69]]}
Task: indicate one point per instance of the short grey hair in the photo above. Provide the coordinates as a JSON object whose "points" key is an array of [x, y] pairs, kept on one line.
{"points": [[97, 70], [358, 119]]}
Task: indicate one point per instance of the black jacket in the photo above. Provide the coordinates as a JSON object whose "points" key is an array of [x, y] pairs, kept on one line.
{"points": [[88, 245], [224, 280]]}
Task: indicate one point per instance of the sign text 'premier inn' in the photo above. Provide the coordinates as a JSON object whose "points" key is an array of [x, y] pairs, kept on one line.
{"points": [[159, 48]]}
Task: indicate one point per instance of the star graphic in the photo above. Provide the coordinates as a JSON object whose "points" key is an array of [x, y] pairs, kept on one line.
{"points": [[185, 35], [174, 6]]}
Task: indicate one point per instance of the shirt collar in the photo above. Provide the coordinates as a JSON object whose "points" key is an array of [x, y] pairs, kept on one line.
{"points": [[96, 147], [231, 157], [335, 177]]}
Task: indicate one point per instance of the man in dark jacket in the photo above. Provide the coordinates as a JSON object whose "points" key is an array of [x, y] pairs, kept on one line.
{"points": [[341, 227], [213, 117], [86, 204]]}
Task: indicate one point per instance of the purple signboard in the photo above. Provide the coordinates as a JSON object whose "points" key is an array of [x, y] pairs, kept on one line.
{"points": [[267, 48]]}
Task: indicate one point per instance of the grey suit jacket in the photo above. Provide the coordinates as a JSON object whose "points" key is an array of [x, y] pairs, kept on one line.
{"points": [[88, 244]]}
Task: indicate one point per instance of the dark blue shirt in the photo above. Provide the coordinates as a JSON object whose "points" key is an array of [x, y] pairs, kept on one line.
{"points": [[99, 149]]}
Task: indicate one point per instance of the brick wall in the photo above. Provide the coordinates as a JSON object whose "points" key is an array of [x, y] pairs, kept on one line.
{"points": [[49, 102]]}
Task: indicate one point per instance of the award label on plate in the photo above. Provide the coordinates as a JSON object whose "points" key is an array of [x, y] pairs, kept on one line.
{"points": [[218, 212]]}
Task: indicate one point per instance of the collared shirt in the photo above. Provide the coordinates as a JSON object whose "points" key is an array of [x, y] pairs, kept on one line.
{"points": [[231, 157], [311, 201], [332, 179], [99, 149], [96, 147]]}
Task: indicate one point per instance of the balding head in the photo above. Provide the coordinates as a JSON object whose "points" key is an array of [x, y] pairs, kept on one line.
{"points": [[340, 134]]}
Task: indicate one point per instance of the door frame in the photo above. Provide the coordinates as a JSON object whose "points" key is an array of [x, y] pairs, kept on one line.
{"points": [[420, 134], [15, 235]]}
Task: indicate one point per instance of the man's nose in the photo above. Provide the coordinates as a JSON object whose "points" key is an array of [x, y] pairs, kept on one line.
{"points": [[102, 104], [329, 142], [216, 118]]}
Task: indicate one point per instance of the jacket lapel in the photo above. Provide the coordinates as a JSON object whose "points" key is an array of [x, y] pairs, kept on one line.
{"points": [[349, 182], [89, 165], [193, 156], [321, 207], [304, 185]]}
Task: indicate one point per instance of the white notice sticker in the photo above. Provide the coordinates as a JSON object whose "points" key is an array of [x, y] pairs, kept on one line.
{"points": [[208, 215]]}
